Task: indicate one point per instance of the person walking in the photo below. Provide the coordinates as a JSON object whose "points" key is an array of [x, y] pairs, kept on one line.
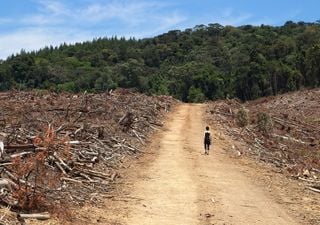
{"points": [[207, 140]]}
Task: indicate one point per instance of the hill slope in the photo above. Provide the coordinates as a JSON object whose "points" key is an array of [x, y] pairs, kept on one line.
{"points": [[283, 130], [206, 62]]}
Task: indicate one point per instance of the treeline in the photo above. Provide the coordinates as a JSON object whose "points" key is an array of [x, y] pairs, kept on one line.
{"points": [[206, 62]]}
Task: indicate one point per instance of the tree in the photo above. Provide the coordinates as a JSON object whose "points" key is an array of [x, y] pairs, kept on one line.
{"points": [[210, 61], [195, 95], [313, 66]]}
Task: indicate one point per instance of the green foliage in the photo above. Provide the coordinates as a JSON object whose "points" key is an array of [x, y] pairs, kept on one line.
{"points": [[264, 123], [206, 62], [68, 87], [243, 117], [195, 95]]}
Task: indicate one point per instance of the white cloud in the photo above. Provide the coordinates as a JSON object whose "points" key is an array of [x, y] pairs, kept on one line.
{"points": [[50, 12], [53, 7], [36, 38], [57, 21], [235, 20], [5, 20], [41, 20], [164, 24], [129, 12], [167, 22], [230, 17]]}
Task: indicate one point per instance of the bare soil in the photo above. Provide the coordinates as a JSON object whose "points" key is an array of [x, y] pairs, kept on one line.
{"points": [[177, 184]]}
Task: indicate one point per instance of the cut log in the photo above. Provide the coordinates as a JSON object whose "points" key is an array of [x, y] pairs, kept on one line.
{"points": [[20, 154], [38, 216], [4, 183], [1, 149], [93, 173], [289, 138], [308, 180], [139, 138], [71, 180], [314, 189], [14, 148], [113, 176], [60, 168]]}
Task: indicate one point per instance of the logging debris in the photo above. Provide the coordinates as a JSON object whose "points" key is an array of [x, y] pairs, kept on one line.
{"points": [[282, 130], [67, 148]]}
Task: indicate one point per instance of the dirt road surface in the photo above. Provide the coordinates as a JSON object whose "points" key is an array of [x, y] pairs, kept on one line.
{"points": [[179, 185]]}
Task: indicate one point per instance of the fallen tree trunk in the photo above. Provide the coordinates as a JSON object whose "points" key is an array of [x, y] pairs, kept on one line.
{"points": [[314, 189], [38, 216]]}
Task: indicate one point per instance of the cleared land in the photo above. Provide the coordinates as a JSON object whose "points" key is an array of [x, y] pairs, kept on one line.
{"points": [[255, 174], [178, 184]]}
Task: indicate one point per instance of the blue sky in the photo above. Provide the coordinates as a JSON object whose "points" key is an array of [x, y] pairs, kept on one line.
{"points": [[33, 24]]}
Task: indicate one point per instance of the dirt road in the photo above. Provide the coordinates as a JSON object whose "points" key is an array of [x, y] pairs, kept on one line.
{"points": [[182, 186]]}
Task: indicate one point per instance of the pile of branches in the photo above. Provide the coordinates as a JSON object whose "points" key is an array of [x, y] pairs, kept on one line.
{"points": [[65, 148], [283, 130]]}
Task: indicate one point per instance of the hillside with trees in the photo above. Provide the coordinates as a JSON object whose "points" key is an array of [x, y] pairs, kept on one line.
{"points": [[205, 62]]}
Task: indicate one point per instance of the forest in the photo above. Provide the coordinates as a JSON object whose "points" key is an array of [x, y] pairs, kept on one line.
{"points": [[206, 62]]}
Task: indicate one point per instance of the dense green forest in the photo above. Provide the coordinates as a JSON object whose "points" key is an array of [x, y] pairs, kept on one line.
{"points": [[205, 62]]}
